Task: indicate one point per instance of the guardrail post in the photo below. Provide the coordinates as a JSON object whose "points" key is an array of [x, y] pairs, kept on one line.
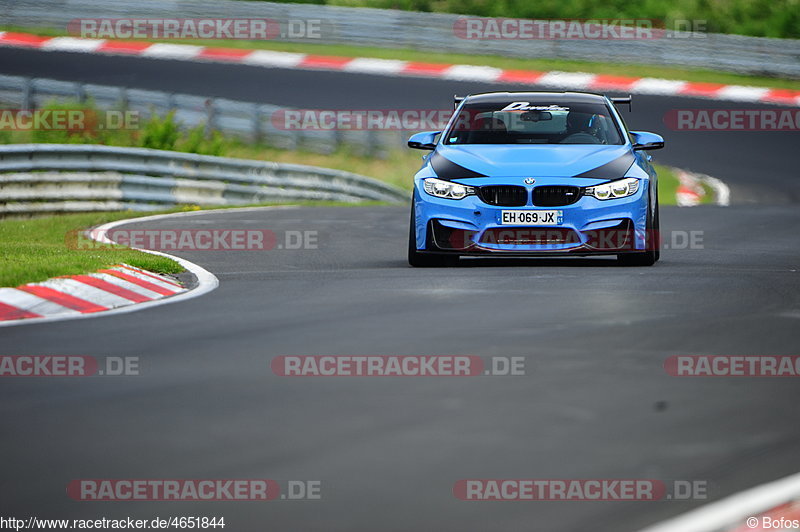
{"points": [[338, 139], [171, 105], [27, 95], [210, 115], [257, 134], [372, 143], [123, 98], [295, 136], [80, 92]]}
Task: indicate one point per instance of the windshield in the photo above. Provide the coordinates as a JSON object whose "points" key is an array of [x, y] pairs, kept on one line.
{"points": [[517, 122]]}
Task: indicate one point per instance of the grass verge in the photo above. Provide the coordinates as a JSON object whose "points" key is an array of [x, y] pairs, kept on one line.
{"points": [[36, 249], [510, 63]]}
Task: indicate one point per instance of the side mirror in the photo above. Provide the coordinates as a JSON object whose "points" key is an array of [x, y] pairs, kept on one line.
{"points": [[643, 140], [424, 141]]}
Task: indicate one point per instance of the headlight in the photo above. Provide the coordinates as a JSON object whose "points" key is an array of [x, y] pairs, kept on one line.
{"points": [[446, 189], [615, 189]]}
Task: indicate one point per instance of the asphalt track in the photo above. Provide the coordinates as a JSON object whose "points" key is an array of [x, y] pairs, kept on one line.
{"points": [[595, 403]]}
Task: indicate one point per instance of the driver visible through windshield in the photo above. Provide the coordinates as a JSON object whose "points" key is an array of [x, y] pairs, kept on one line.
{"points": [[534, 123]]}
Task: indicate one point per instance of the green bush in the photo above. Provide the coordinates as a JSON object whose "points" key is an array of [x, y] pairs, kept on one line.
{"points": [[158, 132], [197, 141]]}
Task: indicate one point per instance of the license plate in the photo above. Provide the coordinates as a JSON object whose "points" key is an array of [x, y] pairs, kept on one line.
{"points": [[532, 217]]}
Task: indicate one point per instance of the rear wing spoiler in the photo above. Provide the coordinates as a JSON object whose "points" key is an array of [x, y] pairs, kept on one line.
{"points": [[625, 100]]}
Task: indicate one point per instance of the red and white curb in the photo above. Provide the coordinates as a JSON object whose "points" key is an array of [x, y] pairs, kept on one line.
{"points": [[106, 289], [692, 192], [116, 290], [744, 511], [389, 67]]}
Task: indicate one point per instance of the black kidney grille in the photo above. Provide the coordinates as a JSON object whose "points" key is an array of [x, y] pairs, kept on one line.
{"points": [[504, 195], [555, 195]]}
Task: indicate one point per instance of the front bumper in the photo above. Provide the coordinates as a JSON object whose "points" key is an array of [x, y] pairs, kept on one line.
{"points": [[588, 227]]}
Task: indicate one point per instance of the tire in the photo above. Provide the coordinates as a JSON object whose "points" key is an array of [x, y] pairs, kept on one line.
{"points": [[424, 260], [657, 231], [651, 256]]}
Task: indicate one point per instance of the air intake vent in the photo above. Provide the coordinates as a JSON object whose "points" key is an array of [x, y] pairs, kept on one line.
{"points": [[504, 195], [555, 195]]}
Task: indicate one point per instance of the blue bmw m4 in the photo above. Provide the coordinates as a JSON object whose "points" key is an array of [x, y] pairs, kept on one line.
{"points": [[535, 174]]}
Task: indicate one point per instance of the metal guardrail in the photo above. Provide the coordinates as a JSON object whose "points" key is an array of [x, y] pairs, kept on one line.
{"points": [[47, 178], [431, 31], [251, 121]]}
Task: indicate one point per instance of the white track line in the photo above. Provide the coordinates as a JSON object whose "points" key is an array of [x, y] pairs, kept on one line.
{"points": [[472, 73], [735, 509], [173, 51], [71, 44], [268, 58], [366, 65], [570, 80], [742, 94], [667, 87]]}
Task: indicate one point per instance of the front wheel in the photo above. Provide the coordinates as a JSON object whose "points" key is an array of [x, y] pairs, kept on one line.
{"points": [[652, 240], [424, 260]]}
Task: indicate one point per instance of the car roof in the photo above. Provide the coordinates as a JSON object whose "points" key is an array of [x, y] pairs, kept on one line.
{"points": [[554, 97]]}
